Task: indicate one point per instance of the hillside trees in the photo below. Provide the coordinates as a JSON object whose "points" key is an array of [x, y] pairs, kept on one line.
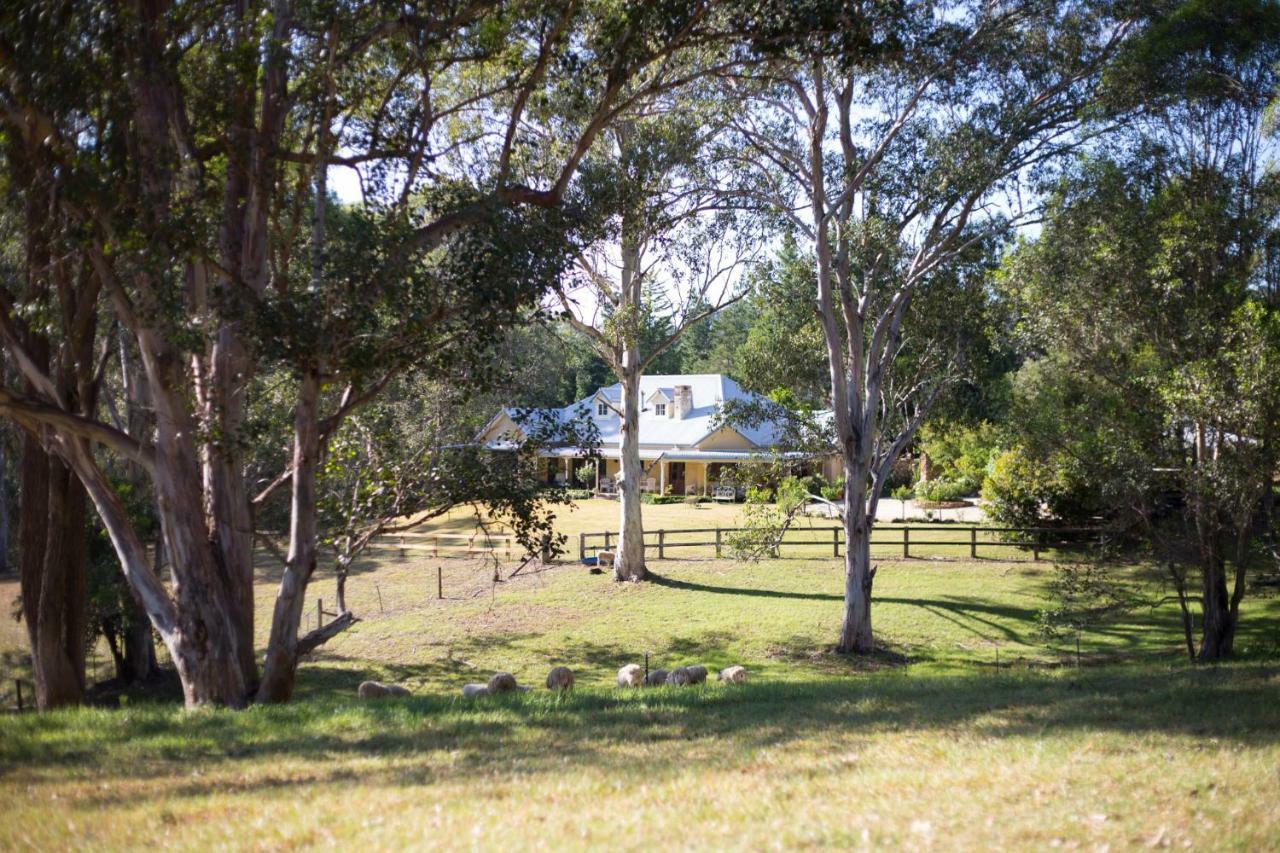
{"points": [[185, 149], [894, 150]]}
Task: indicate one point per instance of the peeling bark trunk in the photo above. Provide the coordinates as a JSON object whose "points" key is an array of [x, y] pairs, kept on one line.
{"points": [[4, 505], [53, 578], [855, 629], [629, 563], [344, 565], [1218, 629], [280, 669]]}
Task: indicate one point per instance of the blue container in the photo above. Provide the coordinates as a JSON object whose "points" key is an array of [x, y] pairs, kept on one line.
{"points": [[589, 561]]}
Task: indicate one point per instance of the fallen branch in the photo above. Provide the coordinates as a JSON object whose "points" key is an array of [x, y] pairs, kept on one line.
{"points": [[325, 633]]}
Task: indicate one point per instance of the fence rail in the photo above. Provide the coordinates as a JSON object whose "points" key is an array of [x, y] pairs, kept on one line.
{"points": [[1037, 540], [451, 544]]}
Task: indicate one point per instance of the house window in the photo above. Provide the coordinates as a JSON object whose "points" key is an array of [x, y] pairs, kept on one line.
{"points": [[602, 410], [660, 409]]}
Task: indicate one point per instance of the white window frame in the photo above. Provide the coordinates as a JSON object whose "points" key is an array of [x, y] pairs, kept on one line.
{"points": [[660, 409], [602, 409]]}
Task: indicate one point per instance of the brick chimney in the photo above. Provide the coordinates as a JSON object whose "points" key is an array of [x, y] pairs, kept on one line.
{"points": [[684, 400]]}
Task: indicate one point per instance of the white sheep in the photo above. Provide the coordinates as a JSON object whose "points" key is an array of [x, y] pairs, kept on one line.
{"points": [[631, 675], [733, 675]]}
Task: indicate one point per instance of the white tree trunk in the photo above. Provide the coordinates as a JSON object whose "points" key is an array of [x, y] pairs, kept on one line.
{"points": [[629, 564], [855, 629]]}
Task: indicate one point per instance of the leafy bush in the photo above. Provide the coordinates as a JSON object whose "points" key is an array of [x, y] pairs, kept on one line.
{"points": [[759, 495], [903, 493], [943, 491], [833, 492], [577, 494], [650, 498], [960, 454], [1022, 491]]}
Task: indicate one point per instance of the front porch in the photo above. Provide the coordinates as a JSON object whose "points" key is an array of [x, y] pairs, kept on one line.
{"points": [[689, 473]]}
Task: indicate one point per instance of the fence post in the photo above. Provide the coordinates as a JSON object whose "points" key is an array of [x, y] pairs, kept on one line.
{"points": [[1035, 545], [717, 542], [379, 589], [18, 683], [582, 547], [606, 540], [662, 538], [835, 541], [319, 613], [439, 582], [973, 543], [402, 552], [906, 543]]}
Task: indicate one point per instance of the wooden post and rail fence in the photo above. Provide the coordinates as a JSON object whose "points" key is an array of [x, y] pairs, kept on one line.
{"points": [[1037, 540]]}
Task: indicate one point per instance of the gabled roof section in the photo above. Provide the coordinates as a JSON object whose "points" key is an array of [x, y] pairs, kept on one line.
{"points": [[710, 391]]}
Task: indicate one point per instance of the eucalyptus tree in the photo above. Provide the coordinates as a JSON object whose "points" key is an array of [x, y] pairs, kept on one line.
{"points": [[186, 147], [668, 261], [896, 138], [409, 459]]}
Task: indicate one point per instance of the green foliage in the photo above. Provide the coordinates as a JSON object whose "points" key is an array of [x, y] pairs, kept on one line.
{"points": [[784, 347], [766, 518], [1083, 597], [960, 454], [903, 493], [833, 491], [942, 491], [651, 498]]}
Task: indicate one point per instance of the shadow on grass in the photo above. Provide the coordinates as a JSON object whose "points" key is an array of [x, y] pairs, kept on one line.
{"points": [[623, 730]]}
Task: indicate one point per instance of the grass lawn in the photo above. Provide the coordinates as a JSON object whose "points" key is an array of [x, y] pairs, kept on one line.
{"points": [[1132, 749]]}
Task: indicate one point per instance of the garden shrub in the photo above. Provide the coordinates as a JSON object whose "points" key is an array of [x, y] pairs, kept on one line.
{"points": [[943, 491]]}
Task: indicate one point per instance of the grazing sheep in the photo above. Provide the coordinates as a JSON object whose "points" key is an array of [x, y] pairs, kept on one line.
{"points": [[503, 682], [604, 558], [656, 678], [471, 691], [678, 677], [377, 690], [560, 678], [733, 675], [697, 674], [631, 675]]}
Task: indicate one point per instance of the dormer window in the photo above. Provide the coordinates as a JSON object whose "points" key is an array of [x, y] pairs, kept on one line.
{"points": [[660, 409], [602, 409]]}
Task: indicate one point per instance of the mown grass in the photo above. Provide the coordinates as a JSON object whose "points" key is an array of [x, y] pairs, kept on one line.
{"points": [[1132, 748], [1099, 756]]}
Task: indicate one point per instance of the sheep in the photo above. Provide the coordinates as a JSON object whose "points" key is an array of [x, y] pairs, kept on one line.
{"points": [[560, 678], [503, 682], [471, 691], [697, 674], [656, 678], [733, 675], [631, 675], [377, 690], [678, 677]]}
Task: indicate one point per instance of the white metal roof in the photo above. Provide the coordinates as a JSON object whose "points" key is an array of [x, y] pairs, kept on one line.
{"points": [[710, 391]]}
